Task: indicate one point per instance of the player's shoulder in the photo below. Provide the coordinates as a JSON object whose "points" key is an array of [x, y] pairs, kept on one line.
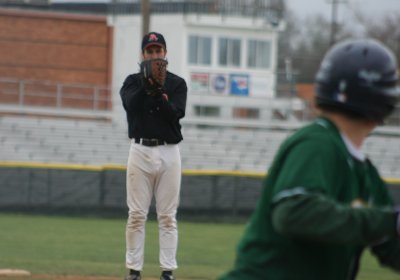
{"points": [[321, 134], [133, 78], [318, 129], [175, 77]]}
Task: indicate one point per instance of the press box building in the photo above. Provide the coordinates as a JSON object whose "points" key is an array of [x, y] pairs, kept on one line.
{"points": [[228, 60], [225, 49]]}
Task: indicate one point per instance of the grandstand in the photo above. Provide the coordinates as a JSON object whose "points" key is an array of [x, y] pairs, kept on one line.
{"points": [[205, 147]]}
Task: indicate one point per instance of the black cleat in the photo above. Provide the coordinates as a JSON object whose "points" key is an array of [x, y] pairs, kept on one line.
{"points": [[167, 276], [134, 275]]}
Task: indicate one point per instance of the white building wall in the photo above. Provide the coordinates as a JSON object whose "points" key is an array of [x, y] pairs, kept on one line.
{"points": [[236, 28], [176, 28], [127, 49]]}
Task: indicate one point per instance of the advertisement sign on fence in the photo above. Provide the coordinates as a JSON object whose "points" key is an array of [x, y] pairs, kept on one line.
{"points": [[219, 83], [199, 82], [239, 84]]}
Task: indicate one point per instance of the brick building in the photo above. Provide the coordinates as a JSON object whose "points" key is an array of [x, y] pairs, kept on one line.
{"points": [[65, 57], [226, 51]]}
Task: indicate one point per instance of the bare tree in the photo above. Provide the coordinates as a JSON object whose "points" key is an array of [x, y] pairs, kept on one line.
{"points": [[304, 42], [312, 43], [385, 29]]}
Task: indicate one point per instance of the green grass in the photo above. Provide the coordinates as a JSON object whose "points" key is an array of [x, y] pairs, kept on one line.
{"points": [[371, 270], [93, 246], [90, 246]]}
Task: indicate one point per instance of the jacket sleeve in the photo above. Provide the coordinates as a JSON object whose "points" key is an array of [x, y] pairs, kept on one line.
{"points": [[316, 217], [132, 93], [388, 253], [174, 108]]}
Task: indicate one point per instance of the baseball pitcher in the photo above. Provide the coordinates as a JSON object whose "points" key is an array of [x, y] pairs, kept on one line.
{"points": [[154, 100]]}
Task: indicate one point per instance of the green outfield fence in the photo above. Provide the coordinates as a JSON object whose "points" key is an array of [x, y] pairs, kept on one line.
{"points": [[100, 189]]}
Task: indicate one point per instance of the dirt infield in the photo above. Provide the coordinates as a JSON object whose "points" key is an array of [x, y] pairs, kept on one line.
{"points": [[73, 277], [18, 274], [66, 277]]}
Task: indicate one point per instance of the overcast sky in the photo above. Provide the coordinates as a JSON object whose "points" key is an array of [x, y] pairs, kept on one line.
{"points": [[373, 8], [303, 8]]}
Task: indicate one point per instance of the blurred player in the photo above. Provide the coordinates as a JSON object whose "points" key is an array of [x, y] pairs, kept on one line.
{"points": [[323, 201], [153, 109]]}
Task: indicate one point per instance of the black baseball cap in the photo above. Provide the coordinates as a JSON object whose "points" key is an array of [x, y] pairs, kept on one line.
{"points": [[153, 39]]}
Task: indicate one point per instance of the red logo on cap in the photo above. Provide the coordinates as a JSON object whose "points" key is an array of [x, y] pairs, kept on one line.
{"points": [[153, 37]]}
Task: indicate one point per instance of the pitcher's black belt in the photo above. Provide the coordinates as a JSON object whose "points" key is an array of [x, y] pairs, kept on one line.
{"points": [[150, 142]]}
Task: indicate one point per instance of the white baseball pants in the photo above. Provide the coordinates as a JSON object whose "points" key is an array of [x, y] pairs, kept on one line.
{"points": [[152, 171]]}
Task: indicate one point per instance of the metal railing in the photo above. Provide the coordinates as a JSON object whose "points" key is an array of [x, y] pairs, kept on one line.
{"points": [[249, 8], [55, 95]]}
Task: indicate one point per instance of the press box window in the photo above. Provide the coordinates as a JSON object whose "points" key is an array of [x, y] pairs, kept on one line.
{"points": [[258, 54], [199, 50], [207, 111], [229, 52]]}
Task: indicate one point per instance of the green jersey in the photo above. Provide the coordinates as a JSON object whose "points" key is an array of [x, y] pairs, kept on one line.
{"points": [[319, 208]]}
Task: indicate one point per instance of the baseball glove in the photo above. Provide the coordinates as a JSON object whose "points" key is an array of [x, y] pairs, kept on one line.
{"points": [[154, 73]]}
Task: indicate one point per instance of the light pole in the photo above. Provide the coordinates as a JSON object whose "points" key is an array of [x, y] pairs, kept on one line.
{"points": [[334, 13], [333, 22], [145, 11]]}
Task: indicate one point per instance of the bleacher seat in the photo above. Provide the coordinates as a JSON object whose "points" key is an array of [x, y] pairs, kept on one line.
{"points": [[223, 148]]}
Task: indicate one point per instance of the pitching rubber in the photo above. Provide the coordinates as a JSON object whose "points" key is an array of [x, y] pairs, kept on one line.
{"points": [[14, 273]]}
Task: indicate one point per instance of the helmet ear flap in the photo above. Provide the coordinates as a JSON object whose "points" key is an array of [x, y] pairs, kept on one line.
{"points": [[358, 77]]}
